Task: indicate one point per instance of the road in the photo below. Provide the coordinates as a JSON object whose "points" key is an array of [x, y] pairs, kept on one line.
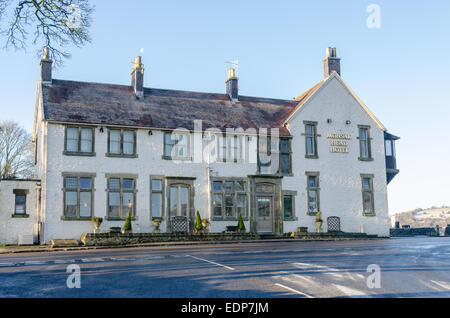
{"points": [[409, 267]]}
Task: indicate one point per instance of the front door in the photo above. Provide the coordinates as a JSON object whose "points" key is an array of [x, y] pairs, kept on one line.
{"points": [[264, 214]]}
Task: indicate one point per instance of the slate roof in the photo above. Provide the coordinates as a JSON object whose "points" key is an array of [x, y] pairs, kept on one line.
{"points": [[108, 104]]}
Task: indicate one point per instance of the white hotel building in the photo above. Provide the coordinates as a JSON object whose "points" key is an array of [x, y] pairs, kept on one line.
{"points": [[172, 153]]}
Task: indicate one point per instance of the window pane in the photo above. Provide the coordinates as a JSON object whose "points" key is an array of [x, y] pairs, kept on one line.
{"points": [[240, 186], [367, 202], [241, 204], [72, 139], [86, 140], [184, 201], [71, 183], [388, 148], [363, 134], [309, 130], [284, 145], [168, 144], [285, 164], [156, 205], [114, 141], [20, 198], [366, 184], [128, 184], [287, 203], [312, 182], [128, 142], [312, 201], [229, 186], [126, 199], [217, 204], [85, 204], [114, 204], [114, 184], [363, 149], [20, 204], [85, 183], [217, 186], [156, 185], [222, 148], [70, 209], [173, 204], [229, 206], [309, 146]]}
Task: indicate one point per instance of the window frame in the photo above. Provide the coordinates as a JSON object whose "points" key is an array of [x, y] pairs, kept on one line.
{"points": [[121, 153], [292, 194], [161, 192], [186, 135], [78, 190], [368, 143], [79, 140], [235, 193], [371, 192], [20, 193], [122, 216], [315, 154], [288, 153], [316, 189]]}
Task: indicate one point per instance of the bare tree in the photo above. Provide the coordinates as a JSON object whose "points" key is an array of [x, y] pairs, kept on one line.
{"points": [[55, 24], [16, 151]]}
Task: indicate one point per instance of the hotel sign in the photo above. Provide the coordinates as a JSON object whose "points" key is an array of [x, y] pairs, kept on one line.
{"points": [[338, 142]]}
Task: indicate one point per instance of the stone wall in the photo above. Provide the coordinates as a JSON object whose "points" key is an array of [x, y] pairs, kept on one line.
{"points": [[429, 231]]}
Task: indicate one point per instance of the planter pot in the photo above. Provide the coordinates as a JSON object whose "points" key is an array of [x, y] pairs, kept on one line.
{"points": [[127, 231], [156, 225], [319, 226]]}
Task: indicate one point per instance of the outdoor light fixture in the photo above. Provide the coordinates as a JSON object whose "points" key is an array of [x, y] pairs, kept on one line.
{"points": [[329, 120], [101, 129], [150, 133], [348, 122]]}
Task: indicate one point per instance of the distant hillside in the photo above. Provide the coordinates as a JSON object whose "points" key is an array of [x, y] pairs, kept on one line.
{"points": [[425, 217]]}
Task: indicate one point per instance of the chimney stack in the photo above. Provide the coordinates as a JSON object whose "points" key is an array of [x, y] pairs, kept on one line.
{"points": [[137, 77], [232, 85], [46, 67], [331, 63]]}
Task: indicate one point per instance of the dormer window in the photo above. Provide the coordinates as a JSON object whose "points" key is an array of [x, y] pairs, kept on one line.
{"points": [[79, 141]]}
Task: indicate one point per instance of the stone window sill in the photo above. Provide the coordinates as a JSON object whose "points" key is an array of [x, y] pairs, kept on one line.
{"points": [[291, 219], [365, 159], [79, 154], [311, 156], [176, 158], [228, 219], [113, 155], [63, 218], [120, 219], [369, 215], [20, 216]]}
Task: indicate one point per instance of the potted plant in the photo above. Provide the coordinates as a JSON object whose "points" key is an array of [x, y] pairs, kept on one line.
{"points": [[96, 221], [127, 229], [205, 224], [319, 221], [241, 225], [156, 224], [198, 226]]}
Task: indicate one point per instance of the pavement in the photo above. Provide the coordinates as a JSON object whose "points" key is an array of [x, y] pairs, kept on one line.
{"points": [[399, 267]]}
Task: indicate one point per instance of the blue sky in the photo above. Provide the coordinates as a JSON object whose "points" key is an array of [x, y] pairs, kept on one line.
{"points": [[401, 70]]}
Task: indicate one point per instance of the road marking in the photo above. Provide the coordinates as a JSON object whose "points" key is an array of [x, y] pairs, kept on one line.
{"points": [[294, 290], [92, 260], [442, 284], [34, 263], [350, 291], [205, 260], [7, 264]]}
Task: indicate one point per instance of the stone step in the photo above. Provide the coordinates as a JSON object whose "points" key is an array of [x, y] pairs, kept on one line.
{"points": [[63, 243]]}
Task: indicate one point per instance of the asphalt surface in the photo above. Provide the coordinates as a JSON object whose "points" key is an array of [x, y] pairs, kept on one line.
{"points": [[409, 267]]}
